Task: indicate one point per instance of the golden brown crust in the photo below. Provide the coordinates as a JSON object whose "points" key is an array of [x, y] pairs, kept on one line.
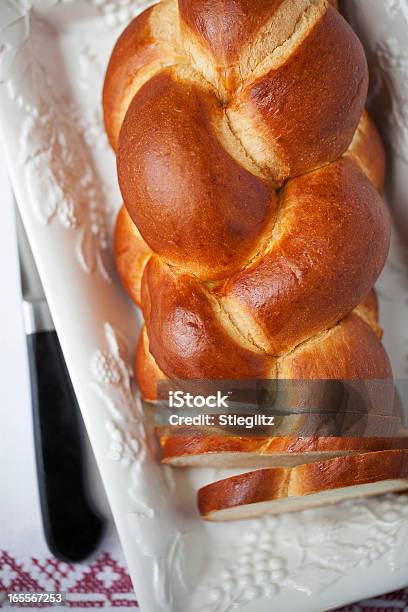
{"points": [[187, 333], [370, 305], [242, 285], [191, 339], [367, 150], [177, 447], [134, 49], [349, 471], [274, 484], [368, 311], [350, 350], [148, 375], [131, 254], [320, 264], [224, 28], [304, 113], [141, 51], [248, 488], [192, 202], [228, 41]]}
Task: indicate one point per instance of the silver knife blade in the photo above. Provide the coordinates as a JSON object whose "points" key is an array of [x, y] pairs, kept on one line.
{"points": [[37, 316]]}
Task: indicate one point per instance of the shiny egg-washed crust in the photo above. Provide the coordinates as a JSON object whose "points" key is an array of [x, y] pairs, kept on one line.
{"points": [[149, 374], [308, 133], [367, 150], [131, 254], [146, 46], [252, 172], [349, 350], [314, 269], [255, 492], [183, 176]]}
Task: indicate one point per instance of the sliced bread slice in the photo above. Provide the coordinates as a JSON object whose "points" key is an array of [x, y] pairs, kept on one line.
{"points": [[278, 490], [200, 448]]}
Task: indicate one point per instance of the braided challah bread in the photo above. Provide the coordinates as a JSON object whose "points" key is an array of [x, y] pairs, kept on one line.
{"points": [[253, 228], [250, 175]]}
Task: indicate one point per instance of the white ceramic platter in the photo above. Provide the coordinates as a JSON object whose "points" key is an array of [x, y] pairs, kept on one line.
{"points": [[52, 60]]}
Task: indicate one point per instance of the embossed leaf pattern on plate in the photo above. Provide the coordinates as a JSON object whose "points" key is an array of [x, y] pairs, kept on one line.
{"points": [[61, 179], [64, 162], [113, 381]]}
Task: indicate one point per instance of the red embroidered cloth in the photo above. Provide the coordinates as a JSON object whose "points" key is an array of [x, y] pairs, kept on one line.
{"points": [[105, 583]]}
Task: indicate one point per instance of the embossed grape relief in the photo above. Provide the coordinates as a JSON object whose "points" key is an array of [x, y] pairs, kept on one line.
{"points": [[62, 183], [112, 379], [256, 570]]}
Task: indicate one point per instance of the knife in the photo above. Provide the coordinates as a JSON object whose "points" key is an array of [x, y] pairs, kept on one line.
{"points": [[72, 528]]}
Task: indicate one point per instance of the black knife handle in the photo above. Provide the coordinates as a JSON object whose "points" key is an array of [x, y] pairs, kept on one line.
{"points": [[71, 526]]}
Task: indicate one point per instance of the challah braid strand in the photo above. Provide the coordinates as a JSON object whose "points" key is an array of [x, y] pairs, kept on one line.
{"points": [[240, 164]]}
